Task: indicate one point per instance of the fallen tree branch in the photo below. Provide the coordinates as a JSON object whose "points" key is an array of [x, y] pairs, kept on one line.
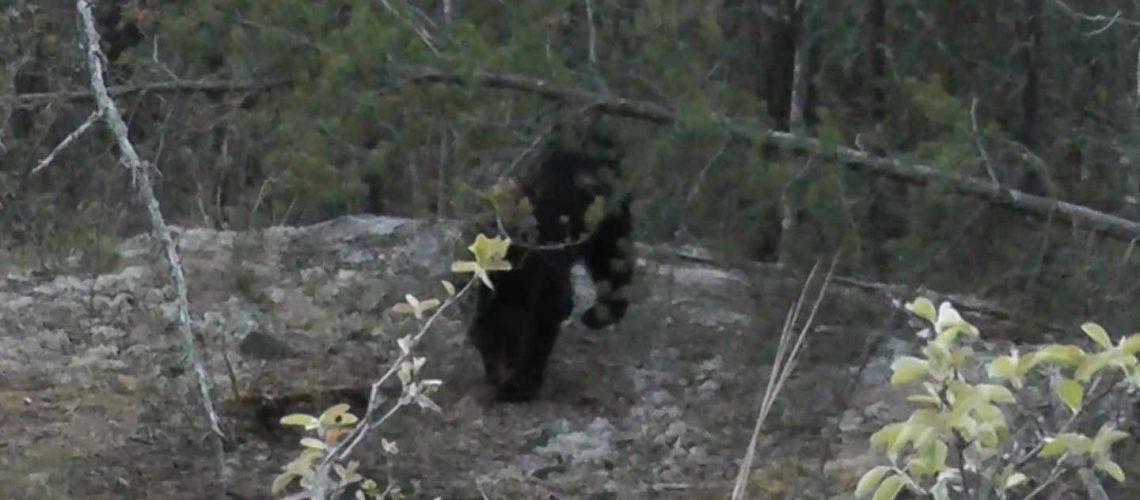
{"points": [[180, 86], [141, 180], [919, 174], [1111, 225]]}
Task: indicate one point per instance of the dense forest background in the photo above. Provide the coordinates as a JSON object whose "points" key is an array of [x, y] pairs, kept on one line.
{"points": [[256, 113]]}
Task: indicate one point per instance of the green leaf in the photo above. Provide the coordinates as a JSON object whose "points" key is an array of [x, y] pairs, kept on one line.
{"points": [[908, 369], [447, 286], [885, 436], [1070, 442], [951, 323], [996, 393], [1105, 438], [1004, 367], [415, 306], [464, 266], [1061, 355], [332, 415], [1014, 480], [489, 249], [281, 482], [1097, 334], [889, 488], [924, 399], [1112, 469], [923, 308], [313, 443], [1090, 365], [309, 422], [871, 480], [1131, 344], [932, 457], [1071, 393]]}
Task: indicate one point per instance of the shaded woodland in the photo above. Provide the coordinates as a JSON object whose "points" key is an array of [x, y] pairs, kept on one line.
{"points": [[979, 149]]}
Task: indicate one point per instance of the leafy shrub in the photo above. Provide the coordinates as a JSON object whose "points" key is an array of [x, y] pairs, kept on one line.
{"points": [[966, 419]]}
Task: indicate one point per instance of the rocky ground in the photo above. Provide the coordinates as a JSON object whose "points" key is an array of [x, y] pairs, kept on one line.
{"points": [[96, 400]]}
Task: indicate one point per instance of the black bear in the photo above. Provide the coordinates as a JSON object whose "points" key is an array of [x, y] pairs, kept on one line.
{"points": [[581, 212]]}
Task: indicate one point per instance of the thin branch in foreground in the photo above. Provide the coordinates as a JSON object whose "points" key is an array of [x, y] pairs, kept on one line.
{"points": [[75, 134], [371, 419], [782, 366], [130, 159]]}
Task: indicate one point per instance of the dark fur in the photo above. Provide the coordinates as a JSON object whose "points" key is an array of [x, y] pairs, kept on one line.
{"points": [[517, 323]]}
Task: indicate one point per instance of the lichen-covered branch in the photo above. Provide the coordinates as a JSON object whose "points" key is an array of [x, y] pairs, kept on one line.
{"points": [[141, 179]]}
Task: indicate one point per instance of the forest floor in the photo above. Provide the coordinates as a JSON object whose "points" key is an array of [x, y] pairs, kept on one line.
{"points": [[96, 400]]}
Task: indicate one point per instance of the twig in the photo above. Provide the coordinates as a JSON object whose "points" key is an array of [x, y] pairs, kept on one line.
{"points": [[75, 134], [130, 159], [1092, 486], [782, 366], [154, 58], [420, 31], [978, 142], [555, 122], [1054, 474], [369, 421], [593, 34], [1096, 18], [682, 227], [800, 67]]}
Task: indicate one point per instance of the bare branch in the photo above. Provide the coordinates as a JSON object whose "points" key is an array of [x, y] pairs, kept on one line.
{"points": [[593, 35], [682, 232], [978, 142], [420, 31], [130, 159], [75, 134], [1096, 18]]}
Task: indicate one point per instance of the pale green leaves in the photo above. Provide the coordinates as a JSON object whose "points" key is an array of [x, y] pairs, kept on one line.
{"points": [[448, 287], [1071, 393], [923, 308], [1097, 334], [955, 413], [490, 256], [947, 322], [331, 427], [876, 480], [335, 416], [1099, 451], [930, 459], [1096, 448], [908, 369], [1014, 480], [870, 481], [889, 488], [417, 391], [309, 422], [414, 306], [1013, 367]]}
